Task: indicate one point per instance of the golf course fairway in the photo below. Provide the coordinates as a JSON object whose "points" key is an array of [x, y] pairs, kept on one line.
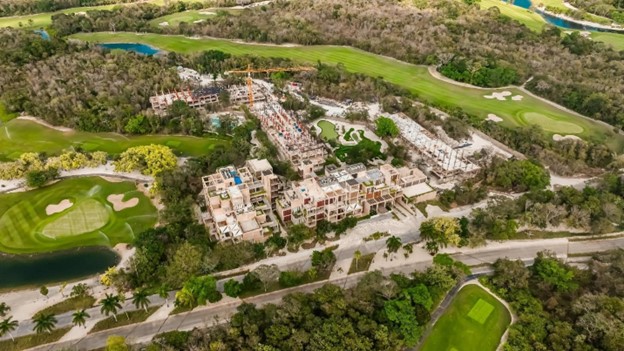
{"points": [[415, 78], [19, 136], [73, 213]]}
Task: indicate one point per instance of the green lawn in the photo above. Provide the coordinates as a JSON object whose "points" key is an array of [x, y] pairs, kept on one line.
{"points": [[475, 321], [44, 19], [25, 226], [32, 340], [615, 40], [69, 305], [133, 317], [5, 116], [413, 77], [20, 136], [186, 16], [328, 130]]}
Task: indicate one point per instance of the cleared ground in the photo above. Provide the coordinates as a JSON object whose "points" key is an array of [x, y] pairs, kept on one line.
{"points": [[26, 228], [415, 78], [20, 136], [475, 321]]}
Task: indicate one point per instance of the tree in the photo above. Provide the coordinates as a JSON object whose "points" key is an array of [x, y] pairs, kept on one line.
{"points": [[440, 232], [186, 262], [386, 127], [510, 275], [323, 260], [140, 299], [554, 273], [7, 326], [402, 313], [4, 309], [356, 256], [44, 291], [110, 304], [39, 178], [163, 292], [116, 343], [393, 244], [44, 322], [148, 159], [198, 290], [79, 290], [79, 318], [268, 274], [232, 288]]}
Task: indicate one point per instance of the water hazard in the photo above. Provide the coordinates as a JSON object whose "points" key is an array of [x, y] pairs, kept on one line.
{"points": [[35, 270], [135, 47]]}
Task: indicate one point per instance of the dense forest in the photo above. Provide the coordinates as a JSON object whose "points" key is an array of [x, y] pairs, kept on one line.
{"points": [[561, 307], [22, 7], [613, 9], [572, 70], [379, 313]]}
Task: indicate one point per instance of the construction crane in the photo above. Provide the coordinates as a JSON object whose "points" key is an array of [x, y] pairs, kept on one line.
{"points": [[251, 70]]}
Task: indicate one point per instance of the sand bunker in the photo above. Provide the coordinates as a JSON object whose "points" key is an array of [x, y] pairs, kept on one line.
{"points": [[163, 24], [119, 204], [559, 137], [199, 21], [494, 118], [60, 207], [517, 97], [502, 96], [207, 13]]}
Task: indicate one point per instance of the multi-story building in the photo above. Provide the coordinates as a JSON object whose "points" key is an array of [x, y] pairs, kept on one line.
{"points": [[349, 191], [196, 98], [292, 138], [239, 202]]}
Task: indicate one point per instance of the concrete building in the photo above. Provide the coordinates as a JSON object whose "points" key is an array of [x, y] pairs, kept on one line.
{"points": [[197, 98], [349, 191], [239, 202], [292, 138]]}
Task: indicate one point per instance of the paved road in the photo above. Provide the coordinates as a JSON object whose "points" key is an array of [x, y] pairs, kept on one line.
{"points": [[217, 313]]}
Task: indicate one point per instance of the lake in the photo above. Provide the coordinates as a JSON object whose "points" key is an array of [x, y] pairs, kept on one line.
{"points": [[35, 270], [135, 47]]}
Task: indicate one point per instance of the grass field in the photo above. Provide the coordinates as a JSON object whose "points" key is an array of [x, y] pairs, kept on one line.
{"points": [[19, 136], [186, 16], [5, 116], [475, 321], [413, 77], [133, 317], [32, 340], [44, 19], [328, 130], [26, 228]]}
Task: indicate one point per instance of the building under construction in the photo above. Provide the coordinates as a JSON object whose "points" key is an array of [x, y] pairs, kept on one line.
{"points": [[446, 162], [194, 98], [292, 138]]}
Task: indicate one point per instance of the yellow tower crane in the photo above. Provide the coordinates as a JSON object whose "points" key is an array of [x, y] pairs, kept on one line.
{"points": [[251, 70]]}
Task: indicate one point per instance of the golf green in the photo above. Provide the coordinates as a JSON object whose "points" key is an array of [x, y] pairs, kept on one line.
{"points": [[20, 136], [415, 78], [72, 213], [551, 125], [475, 321]]}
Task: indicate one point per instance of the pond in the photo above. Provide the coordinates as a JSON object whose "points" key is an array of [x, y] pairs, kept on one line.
{"points": [[43, 34], [135, 47], [35, 270]]}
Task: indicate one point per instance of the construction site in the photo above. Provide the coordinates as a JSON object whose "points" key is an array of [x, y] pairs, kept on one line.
{"points": [[445, 161]]}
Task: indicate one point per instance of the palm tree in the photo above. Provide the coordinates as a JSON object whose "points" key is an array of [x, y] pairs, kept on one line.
{"points": [[7, 326], [163, 292], [44, 322], [393, 243], [140, 299], [110, 304], [79, 318], [4, 309], [356, 256]]}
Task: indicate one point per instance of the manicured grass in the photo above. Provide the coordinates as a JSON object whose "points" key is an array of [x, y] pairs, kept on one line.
{"points": [[413, 77], [363, 264], [32, 340], [615, 40], [475, 321], [373, 148], [133, 317], [328, 130], [20, 136], [5, 116], [26, 228], [44, 19], [550, 124], [527, 17], [70, 305], [186, 16]]}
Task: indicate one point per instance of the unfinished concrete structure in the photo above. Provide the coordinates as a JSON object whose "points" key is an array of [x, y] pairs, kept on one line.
{"points": [[349, 191], [294, 141], [239, 202], [194, 98], [445, 161]]}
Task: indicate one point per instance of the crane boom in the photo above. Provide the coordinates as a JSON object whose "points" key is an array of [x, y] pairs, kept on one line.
{"points": [[251, 70]]}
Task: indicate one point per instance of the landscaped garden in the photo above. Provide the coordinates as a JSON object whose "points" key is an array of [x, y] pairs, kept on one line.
{"points": [[475, 321], [21, 136], [73, 213], [328, 130]]}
